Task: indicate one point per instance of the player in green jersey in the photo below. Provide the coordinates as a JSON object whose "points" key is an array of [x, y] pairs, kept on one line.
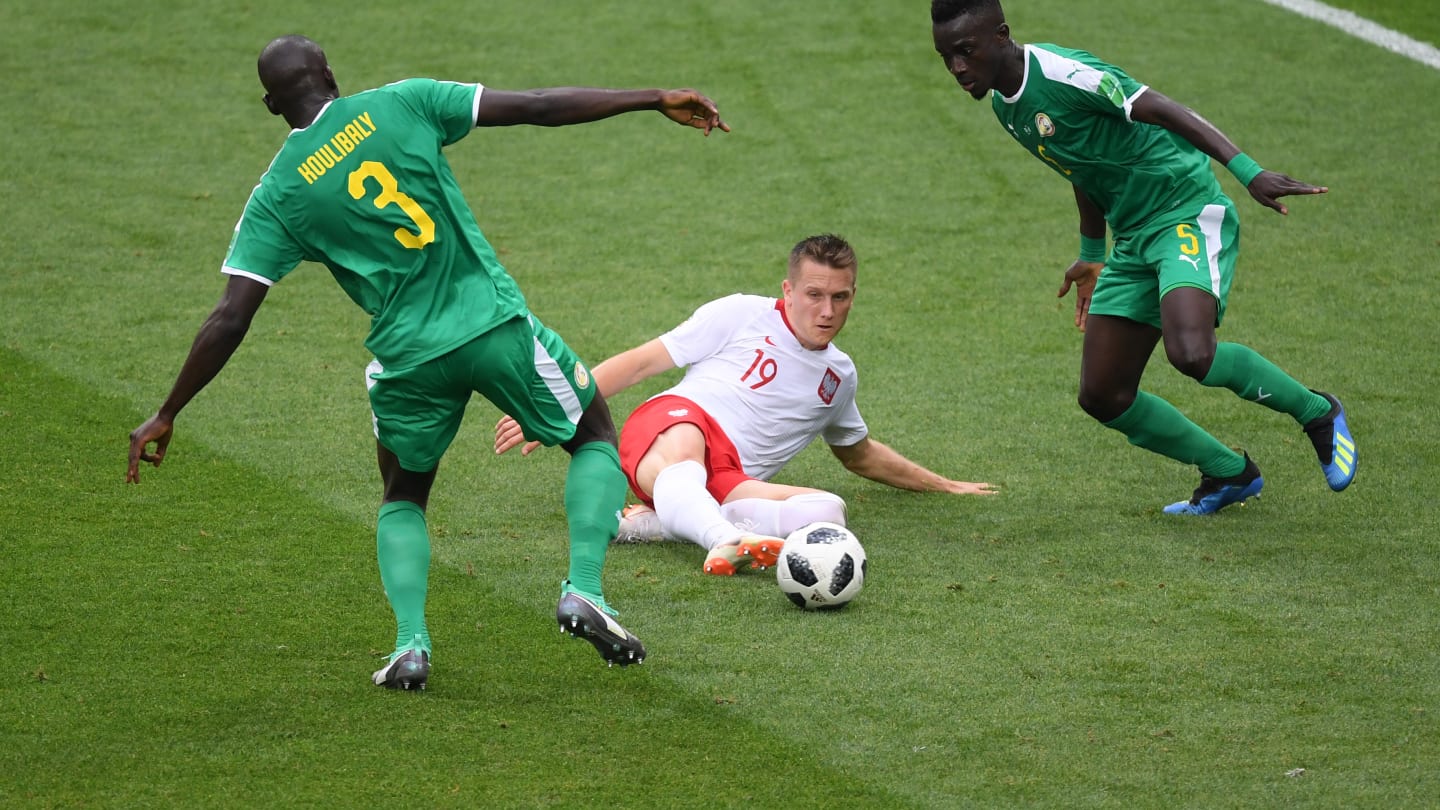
{"points": [[1140, 163], [361, 185]]}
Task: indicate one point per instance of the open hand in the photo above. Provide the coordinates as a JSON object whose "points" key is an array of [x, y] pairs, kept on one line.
{"points": [[970, 488], [1082, 275], [508, 435], [1268, 187]]}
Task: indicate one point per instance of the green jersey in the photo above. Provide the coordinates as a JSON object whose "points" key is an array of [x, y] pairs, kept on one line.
{"points": [[365, 190], [1073, 112]]}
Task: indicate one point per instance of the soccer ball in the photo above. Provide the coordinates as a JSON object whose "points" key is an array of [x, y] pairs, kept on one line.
{"points": [[821, 566]]}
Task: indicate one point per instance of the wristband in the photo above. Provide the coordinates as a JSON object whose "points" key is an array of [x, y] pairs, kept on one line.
{"points": [[1244, 168], [1092, 249]]}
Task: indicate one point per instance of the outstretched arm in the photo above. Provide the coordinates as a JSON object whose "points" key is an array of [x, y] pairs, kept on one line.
{"points": [[1265, 186], [871, 459], [560, 106], [217, 339], [632, 366]]}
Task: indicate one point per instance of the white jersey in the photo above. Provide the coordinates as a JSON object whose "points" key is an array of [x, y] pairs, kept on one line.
{"points": [[771, 395]]}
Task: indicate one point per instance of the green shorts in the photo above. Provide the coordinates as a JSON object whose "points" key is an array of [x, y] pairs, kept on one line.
{"points": [[1143, 267], [525, 369]]}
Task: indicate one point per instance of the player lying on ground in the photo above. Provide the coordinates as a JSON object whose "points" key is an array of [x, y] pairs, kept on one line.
{"points": [[763, 378]]}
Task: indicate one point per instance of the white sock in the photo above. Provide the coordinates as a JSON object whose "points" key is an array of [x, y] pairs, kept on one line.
{"points": [[686, 510], [779, 518]]}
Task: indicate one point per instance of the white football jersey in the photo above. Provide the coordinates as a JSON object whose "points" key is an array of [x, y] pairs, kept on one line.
{"points": [[771, 395]]}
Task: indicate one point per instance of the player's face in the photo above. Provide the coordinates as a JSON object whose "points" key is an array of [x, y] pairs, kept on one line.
{"points": [[974, 47], [817, 302]]}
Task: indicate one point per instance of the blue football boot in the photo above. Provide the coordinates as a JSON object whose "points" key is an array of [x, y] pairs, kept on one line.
{"points": [[1334, 445], [1215, 494]]}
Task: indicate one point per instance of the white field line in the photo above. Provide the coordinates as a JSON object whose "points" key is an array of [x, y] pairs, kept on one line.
{"points": [[1357, 26]]}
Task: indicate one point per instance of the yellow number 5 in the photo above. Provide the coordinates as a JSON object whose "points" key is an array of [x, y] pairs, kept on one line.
{"points": [[1190, 246], [390, 194], [1040, 150]]}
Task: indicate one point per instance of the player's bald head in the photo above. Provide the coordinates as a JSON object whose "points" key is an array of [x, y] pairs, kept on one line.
{"points": [[293, 66], [943, 11]]}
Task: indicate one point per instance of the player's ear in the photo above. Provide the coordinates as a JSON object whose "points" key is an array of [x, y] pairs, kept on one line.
{"points": [[269, 105], [1002, 31]]}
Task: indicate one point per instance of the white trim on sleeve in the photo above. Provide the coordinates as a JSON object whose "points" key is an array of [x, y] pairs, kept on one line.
{"points": [[1130, 101], [235, 271]]}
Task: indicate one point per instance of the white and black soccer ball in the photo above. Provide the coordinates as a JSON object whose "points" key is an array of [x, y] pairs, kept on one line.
{"points": [[821, 566]]}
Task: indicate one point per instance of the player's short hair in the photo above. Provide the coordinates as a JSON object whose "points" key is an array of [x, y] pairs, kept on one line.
{"points": [[943, 11], [825, 249], [291, 67]]}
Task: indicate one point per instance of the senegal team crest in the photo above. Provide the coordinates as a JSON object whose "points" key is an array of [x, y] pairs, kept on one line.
{"points": [[582, 377], [1044, 125]]}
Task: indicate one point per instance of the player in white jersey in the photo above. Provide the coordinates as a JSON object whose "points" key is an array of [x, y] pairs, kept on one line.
{"points": [[736, 348], [764, 379]]}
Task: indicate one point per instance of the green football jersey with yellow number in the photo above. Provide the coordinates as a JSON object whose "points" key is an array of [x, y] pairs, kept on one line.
{"points": [[366, 190], [1073, 112]]}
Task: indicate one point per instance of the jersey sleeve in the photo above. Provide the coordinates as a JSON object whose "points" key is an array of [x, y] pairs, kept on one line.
{"points": [[1115, 91], [848, 427], [708, 330], [261, 247], [1097, 86], [450, 106]]}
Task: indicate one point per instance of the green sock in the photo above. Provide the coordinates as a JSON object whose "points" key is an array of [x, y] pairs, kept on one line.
{"points": [[594, 495], [402, 545], [1154, 424], [1252, 377]]}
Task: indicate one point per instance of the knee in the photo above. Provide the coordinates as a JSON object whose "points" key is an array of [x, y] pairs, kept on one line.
{"points": [[1105, 405], [1191, 358]]}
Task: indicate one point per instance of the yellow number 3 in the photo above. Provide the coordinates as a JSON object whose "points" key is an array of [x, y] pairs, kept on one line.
{"points": [[1190, 246], [390, 194]]}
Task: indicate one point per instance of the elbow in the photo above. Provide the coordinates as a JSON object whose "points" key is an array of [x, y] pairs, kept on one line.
{"points": [[546, 110]]}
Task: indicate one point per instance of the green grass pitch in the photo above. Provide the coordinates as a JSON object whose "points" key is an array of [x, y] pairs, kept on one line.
{"points": [[205, 639]]}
